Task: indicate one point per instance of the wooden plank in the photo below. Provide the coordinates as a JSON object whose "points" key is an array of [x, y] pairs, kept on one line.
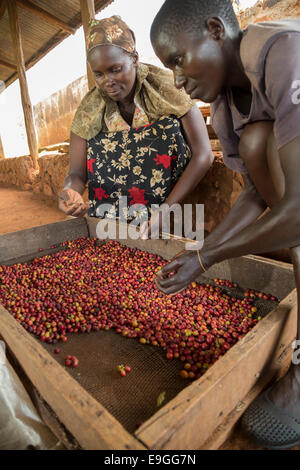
{"points": [[196, 412], [225, 430], [205, 110], [88, 421], [26, 103], [258, 273], [211, 133], [4, 63], [87, 13], [45, 15], [249, 365], [26, 243]]}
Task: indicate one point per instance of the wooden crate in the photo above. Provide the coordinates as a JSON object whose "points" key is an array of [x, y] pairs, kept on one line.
{"points": [[204, 413]]}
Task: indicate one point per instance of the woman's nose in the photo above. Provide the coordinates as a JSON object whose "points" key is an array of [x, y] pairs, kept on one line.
{"points": [[108, 79]]}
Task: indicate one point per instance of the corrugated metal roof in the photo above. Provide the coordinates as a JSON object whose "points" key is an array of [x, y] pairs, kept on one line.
{"points": [[38, 35]]}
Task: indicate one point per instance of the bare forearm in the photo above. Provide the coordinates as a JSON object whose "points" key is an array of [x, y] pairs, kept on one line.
{"points": [[278, 229], [74, 181], [77, 176], [246, 210]]}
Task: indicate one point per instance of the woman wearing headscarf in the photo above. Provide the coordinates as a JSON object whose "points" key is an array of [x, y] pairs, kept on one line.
{"points": [[134, 134]]}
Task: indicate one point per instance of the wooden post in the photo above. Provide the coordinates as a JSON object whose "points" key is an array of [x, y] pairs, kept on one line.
{"points": [[26, 103], [87, 13], [2, 154]]}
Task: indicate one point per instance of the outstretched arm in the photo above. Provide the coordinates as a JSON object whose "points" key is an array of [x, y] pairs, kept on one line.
{"points": [[278, 229], [70, 199]]}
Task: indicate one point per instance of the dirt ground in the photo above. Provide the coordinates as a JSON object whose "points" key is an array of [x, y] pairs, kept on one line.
{"points": [[23, 209], [20, 210]]}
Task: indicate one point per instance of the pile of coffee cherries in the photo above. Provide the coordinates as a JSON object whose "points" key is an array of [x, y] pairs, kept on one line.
{"points": [[84, 288]]}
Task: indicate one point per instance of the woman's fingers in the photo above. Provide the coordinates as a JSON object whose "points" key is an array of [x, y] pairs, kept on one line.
{"points": [[169, 268], [74, 209], [71, 203], [80, 211], [173, 288], [67, 196], [184, 269]]}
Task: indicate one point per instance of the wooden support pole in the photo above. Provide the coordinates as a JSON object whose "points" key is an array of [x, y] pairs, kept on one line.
{"points": [[26, 103], [87, 13], [45, 15], [2, 154]]}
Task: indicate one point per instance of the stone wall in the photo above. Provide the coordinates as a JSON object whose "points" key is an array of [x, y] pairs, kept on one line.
{"points": [[18, 171], [270, 10]]}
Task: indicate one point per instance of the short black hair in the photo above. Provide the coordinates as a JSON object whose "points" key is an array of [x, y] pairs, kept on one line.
{"points": [[191, 16]]}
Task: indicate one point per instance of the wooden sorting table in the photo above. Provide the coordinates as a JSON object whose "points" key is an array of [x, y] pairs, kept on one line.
{"points": [[204, 413]]}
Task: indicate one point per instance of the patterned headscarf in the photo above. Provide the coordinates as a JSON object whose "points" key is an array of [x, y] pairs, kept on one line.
{"points": [[110, 32]]}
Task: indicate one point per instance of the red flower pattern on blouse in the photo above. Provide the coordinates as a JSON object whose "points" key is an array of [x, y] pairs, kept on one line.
{"points": [[100, 194], [164, 160], [138, 196], [90, 165]]}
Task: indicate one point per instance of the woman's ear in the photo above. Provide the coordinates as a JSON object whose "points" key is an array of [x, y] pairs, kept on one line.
{"points": [[135, 58]]}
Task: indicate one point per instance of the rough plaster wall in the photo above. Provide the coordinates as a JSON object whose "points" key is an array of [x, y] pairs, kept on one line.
{"points": [[54, 115]]}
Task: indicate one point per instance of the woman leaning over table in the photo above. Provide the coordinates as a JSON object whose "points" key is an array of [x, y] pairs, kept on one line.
{"points": [[134, 134]]}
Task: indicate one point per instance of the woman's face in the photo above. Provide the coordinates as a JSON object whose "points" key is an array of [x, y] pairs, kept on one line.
{"points": [[114, 71]]}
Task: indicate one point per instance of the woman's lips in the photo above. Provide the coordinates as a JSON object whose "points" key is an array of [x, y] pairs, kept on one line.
{"points": [[113, 92]]}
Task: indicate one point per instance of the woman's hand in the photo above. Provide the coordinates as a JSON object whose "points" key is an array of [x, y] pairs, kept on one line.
{"points": [[71, 203], [185, 268]]}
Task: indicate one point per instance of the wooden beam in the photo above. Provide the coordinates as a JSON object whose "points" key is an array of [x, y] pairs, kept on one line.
{"points": [[26, 103], [45, 15], [56, 40], [87, 13], [42, 52], [7, 65]]}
